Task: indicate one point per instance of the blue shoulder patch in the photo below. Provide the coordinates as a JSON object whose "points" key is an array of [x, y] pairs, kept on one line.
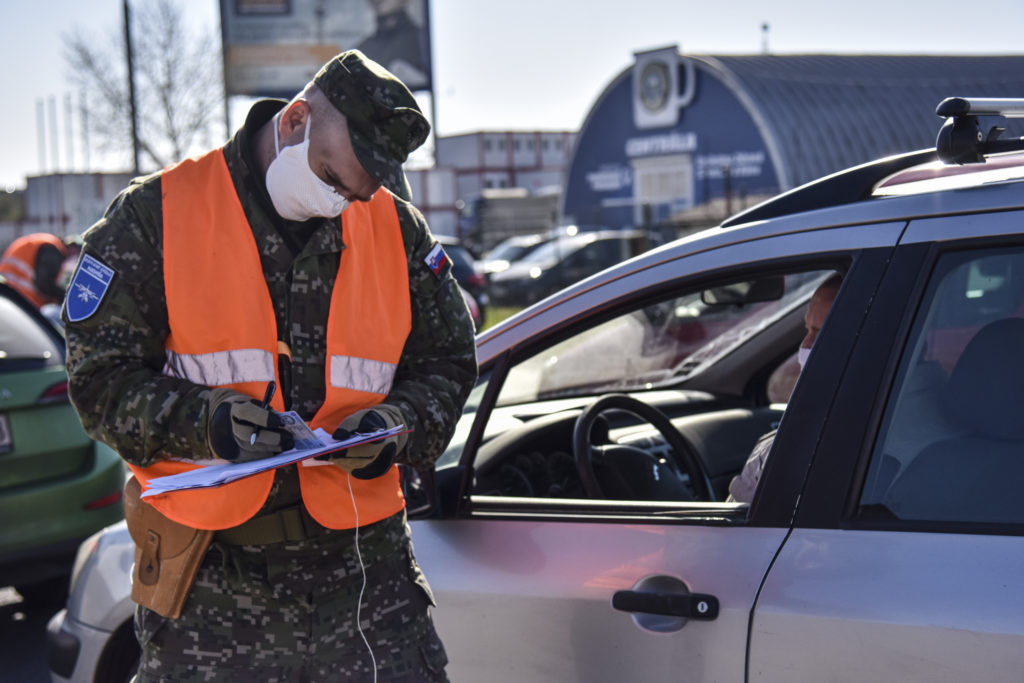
{"points": [[89, 284]]}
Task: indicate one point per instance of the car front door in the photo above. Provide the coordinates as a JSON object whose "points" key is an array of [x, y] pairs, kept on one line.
{"points": [[905, 560], [528, 585]]}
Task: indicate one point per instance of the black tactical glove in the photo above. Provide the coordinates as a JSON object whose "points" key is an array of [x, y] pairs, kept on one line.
{"points": [[240, 429], [370, 460]]}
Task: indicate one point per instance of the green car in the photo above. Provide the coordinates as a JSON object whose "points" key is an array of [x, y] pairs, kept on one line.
{"points": [[57, 486]]}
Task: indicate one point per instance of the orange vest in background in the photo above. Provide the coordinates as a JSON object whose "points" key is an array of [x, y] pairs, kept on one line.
{"points": [[224, 334], [18, 265]]}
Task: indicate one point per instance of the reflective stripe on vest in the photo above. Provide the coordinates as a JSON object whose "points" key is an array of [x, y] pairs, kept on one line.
{"points": [[223, 333], [222, 367], [361, 374], [18, 265]]}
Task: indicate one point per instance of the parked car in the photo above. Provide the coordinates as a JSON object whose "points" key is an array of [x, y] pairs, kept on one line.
{"points": [[561, 262], [473, 306], [510, 250], [577, 527], [92, 640], [57, 486], [469, 275]]}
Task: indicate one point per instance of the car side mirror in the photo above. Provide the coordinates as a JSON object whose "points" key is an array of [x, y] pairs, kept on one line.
{"points": [[747, 292]]}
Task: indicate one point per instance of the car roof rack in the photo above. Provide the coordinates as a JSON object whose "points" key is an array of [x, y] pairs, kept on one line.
{"points": [[970, 132]]}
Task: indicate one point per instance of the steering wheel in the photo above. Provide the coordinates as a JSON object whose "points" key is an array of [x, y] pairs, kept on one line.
{"points": [[630, 459]]}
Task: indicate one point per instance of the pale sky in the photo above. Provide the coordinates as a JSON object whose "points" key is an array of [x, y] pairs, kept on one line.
{"points": [[521, 64]]}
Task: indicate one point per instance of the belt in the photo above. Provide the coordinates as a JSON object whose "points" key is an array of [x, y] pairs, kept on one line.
{"points": [[288, 524]]}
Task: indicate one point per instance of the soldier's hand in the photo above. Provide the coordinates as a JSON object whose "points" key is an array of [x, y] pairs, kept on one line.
{"points": [[240, 429], [370, 460]]}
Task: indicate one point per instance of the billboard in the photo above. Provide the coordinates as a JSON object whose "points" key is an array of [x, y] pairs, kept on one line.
{"points": [[272, 48]]}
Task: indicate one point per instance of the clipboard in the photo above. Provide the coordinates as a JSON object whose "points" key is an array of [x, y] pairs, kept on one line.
{"points": [[209, 476]]}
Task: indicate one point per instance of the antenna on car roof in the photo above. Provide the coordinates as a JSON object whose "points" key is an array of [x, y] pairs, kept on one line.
{"points": [[972, 127]]}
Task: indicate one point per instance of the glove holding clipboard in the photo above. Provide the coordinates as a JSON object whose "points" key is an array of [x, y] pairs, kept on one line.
{"points": [[373, 459], [308, 445]]}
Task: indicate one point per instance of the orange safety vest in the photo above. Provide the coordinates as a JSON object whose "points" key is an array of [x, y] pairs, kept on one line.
{"points": [[224, 334], [18, 265]]}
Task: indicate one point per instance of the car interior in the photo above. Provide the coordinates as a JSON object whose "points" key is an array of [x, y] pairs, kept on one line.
{"points": [[952, 437], [661, 402]]}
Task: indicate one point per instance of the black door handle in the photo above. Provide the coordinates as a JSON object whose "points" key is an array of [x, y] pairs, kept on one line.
{"points": [[689, 606]]}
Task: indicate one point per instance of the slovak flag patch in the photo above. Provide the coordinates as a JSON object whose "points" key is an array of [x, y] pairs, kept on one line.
{"points": [[437, 259], [87, 288]]}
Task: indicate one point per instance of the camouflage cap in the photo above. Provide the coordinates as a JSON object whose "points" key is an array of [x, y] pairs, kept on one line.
{"points": [[384, 121]]}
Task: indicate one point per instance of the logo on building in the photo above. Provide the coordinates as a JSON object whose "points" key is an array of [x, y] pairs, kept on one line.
{"points": [[654, 86], [663, 84]]}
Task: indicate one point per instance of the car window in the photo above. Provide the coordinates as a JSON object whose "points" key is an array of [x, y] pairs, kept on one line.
{"points": [[556, 250], [651, 347], [537, 441], [951, 448], [23, 342], [453, 452], [512, 250]]}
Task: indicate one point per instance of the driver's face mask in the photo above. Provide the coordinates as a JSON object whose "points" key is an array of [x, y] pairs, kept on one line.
{"points": [[299, 194]]}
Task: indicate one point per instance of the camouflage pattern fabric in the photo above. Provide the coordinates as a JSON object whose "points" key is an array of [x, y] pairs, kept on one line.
{"points": [[384, 120], [286, 612], [115, 358], [116, 355]]}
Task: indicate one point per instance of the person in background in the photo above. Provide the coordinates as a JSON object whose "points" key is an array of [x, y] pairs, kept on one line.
{"points": [[744, 485], [72, 250], [290, 258], [32, 265]]}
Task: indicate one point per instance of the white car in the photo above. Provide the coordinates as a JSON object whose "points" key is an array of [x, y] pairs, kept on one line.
{"points": [[93, 638], [577, 528]]}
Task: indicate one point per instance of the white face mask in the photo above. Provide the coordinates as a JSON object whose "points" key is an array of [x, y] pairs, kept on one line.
{"points": [[802, 355], [298, 194]]}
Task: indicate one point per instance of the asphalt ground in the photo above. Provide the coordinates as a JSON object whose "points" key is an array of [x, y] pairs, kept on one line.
{"points": [[23, 638]]}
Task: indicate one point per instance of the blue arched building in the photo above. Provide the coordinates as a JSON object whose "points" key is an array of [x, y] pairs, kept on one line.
{"points": [[677, 132]]}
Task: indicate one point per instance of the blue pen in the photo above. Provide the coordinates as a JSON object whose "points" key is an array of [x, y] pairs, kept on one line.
{"points": [[269, 394]]}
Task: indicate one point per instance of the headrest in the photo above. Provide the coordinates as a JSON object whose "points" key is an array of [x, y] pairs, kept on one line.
{"points": [[986, 389]]}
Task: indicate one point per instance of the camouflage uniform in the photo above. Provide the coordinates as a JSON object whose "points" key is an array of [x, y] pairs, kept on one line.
{"points": [[284, 611]]}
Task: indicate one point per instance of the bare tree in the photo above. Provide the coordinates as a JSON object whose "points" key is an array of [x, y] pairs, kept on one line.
{"points": [[178, 84]]}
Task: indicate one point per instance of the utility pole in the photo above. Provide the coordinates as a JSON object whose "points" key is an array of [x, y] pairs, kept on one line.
{"points": [[131, 87], [68, 133], [41, 133]]}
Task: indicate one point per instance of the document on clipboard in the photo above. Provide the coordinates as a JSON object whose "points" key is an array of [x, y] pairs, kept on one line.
{"points": [[308, 444]]}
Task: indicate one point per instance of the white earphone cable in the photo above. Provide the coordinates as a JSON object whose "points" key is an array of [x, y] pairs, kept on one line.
{"points": [[362, 567]]}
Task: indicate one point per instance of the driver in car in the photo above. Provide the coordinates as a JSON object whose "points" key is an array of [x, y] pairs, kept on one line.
{"points": [[743, 485]]}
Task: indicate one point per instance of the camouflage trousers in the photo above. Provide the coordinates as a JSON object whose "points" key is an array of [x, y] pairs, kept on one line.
{"points": [[287, 612]]}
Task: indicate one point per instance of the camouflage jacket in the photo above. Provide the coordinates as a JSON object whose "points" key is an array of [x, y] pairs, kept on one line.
{"points": [[115, 356]]}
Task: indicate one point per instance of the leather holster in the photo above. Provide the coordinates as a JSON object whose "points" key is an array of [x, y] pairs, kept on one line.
{"points": [[167, 554]]}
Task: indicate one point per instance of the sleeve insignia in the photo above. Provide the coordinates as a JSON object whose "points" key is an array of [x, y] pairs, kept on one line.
{"points": [[88, 286]]}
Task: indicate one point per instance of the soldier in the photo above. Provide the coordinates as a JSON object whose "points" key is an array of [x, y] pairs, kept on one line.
{"points": [[214, 277], [31, 265]]}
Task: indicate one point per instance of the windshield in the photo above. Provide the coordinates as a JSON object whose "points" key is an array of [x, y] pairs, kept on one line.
{"points": [[651, 347], [24, 340], [557, 249], [510, 251]]}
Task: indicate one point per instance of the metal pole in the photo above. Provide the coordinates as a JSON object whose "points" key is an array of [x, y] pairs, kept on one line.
{"points": [[69, 133], [131, 87], [430, 75], [54, 140], [41, 133], [224, 70], [84, 113]]}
